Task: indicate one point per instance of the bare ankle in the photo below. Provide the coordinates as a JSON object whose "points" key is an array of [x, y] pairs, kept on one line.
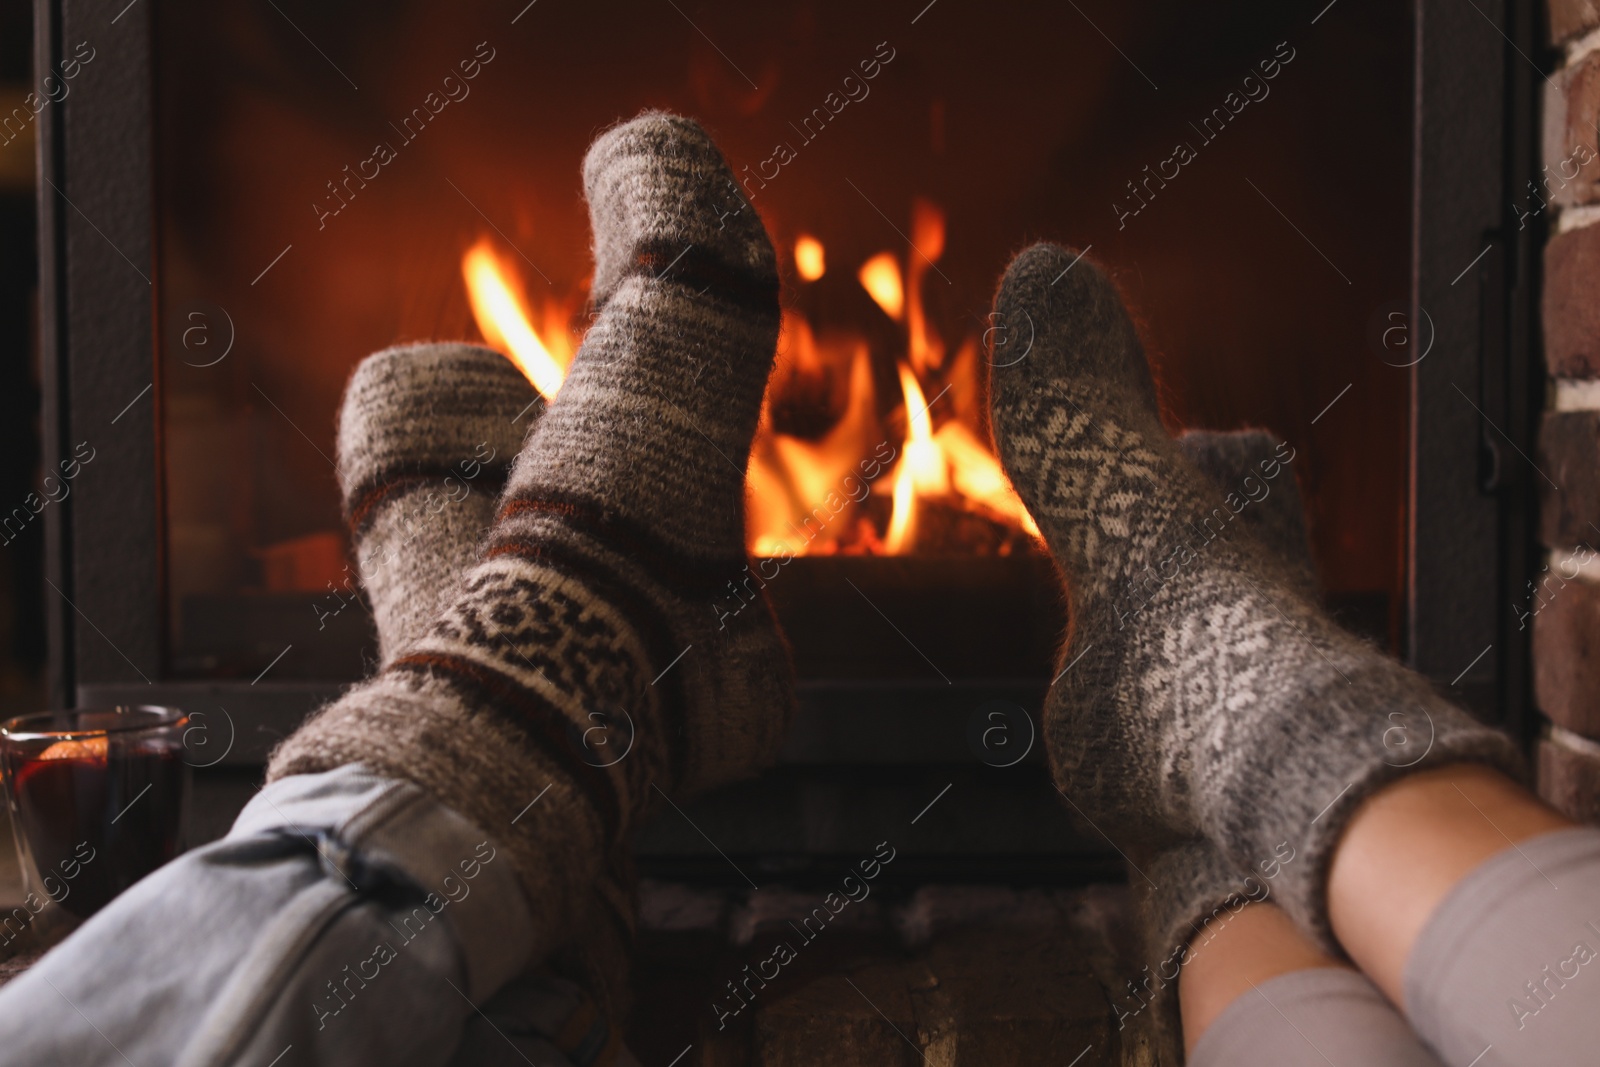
{"points": [[1256, 945], [1409, 844]]}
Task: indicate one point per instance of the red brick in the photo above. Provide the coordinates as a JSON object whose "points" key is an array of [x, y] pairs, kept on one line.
{"points": [[1571, 310], [1566, 652], [1569, 776], [1569, 18], [1569, 456], [1571, 156]]}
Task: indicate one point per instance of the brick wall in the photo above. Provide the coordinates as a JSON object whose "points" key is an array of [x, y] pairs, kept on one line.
{"points": [[1563, 605]]}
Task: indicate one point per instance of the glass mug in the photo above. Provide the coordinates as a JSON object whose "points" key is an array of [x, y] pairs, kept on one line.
{"points": [[97, 799]]}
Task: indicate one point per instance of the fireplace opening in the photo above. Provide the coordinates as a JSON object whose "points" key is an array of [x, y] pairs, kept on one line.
{"points": [[1300, 206], [414, 175]]}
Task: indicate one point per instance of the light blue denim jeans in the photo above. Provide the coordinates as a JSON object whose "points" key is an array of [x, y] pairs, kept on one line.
{"points": [[345, 919]]}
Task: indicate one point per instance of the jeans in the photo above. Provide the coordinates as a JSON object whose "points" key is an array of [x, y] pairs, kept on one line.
{"points": [[344, 919]]}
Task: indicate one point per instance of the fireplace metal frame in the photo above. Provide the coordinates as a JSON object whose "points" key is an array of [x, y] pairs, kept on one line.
{"points": [[1470, 533]]}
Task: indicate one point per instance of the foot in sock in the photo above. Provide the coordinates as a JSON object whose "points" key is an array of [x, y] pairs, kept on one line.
{"points": [[426, 437], [427, 433], [1183, 893], [1209, 697], [591, 610]]}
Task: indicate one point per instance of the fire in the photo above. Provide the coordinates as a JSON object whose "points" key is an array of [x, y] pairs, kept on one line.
{"points": [[826, 472], [923, 467], [924, 458], [504, 320], [880, 277], [939, 471], [809, 259], [978, 476], [927, 245], [954, 458], [802, 495]]}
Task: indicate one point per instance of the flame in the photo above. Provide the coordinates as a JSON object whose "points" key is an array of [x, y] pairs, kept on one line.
{"points": [[978, 476], [927, 229], [796, 482], [922, 469], [821, 451], [880, 277], [929, 471], [503, 319], [802, 494], [897, 541], [809, 260], [927, 245]]}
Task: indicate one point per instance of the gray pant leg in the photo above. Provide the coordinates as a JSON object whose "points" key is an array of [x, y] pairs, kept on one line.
{"points": [[1508, 967], [1327, 1015], [345, 919]]}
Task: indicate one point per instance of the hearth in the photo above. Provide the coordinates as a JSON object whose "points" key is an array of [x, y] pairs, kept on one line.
{"points": [[245, 201]]}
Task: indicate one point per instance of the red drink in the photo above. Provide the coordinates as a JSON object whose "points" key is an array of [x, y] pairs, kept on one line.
{"points": [[97, 803]]}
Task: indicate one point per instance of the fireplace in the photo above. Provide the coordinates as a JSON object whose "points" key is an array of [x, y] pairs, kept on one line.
{"points": [[1312, 211]]}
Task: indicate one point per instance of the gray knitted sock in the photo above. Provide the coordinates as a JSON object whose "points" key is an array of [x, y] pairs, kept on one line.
{"points": [[1207, 695], [591, 612], [1186, 893], [1255, 468], [426, 437]]}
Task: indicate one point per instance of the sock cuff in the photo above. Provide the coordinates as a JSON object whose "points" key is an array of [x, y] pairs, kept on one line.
{"points": [[424, 413], [1371, 764], [1183, 897]]}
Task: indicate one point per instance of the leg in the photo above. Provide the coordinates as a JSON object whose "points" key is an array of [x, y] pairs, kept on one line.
{"points": [[622, 519], [427, 434], [346, 918], [1259, 992], [589, 611], [1246, 976], [1475, 907], [1254, 946], [1209, 695], [1409, 846], [267, 922]]}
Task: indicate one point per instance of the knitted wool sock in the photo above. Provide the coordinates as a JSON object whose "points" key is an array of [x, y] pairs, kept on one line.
{"points": [[1184, 894], [592, 610], [427, 433], [426, 436], [1211, 697]]}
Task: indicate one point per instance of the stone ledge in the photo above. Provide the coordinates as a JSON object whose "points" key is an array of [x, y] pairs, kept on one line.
{"points": [[975, 997]]}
